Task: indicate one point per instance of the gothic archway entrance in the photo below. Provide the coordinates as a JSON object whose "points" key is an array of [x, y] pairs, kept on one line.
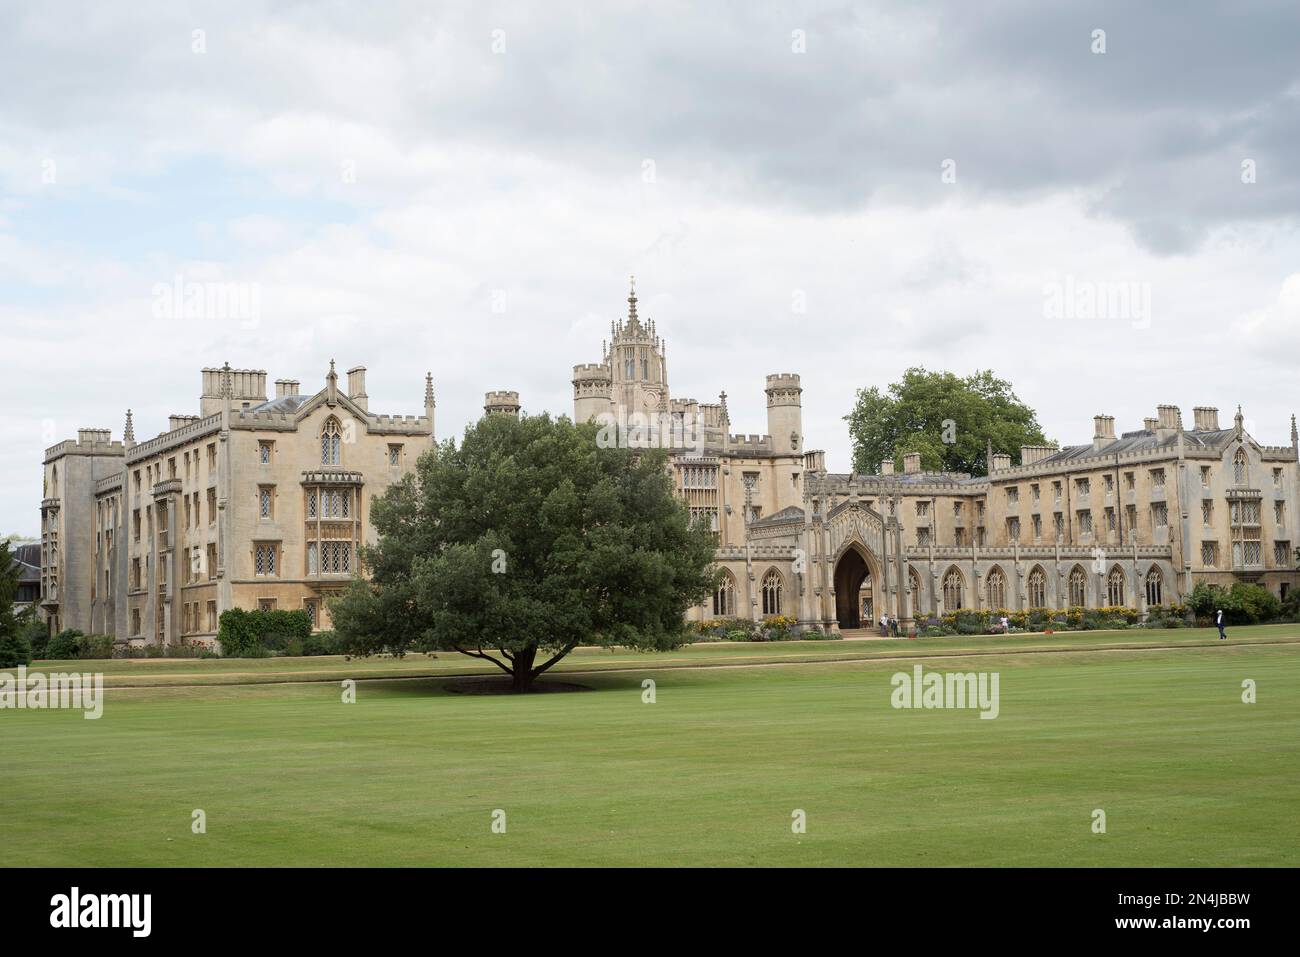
{"points": [[850, 572]]}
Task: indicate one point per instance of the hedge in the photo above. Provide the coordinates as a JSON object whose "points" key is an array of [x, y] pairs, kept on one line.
{"points": [[255, 634]]}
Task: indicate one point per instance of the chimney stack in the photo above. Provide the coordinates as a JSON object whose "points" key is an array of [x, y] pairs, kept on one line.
{"points": [[1168, 419], [1206, 418], [887, 467], [1103, 430], [912, 463], [1030, 454], [357, 387], [1001, 462], [285, 387]]}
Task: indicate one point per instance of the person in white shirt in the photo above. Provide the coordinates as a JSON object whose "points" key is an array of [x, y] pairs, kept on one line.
{"points": [[1218, 620]]}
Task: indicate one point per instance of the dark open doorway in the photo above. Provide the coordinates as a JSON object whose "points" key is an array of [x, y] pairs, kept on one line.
{"points": [[850, 572]]}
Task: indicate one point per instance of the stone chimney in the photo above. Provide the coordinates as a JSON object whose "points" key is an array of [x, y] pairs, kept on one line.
{"points": [[1103, 430], [357, 387], [814, 460], [1206, 418], [285, 387], [93, 436], [912, 463], [174, 422], [1168, 420], [1030, 454], [1001, 462], [887, 467], [1150, 424]]}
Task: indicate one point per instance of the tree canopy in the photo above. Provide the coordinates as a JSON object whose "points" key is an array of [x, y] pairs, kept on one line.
{"points": [[522, 542], [949, 419]]}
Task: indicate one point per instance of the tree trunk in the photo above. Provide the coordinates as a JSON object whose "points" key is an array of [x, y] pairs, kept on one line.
{"points": [[523, 672]]}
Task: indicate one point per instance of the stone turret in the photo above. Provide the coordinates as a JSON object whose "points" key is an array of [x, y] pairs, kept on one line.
{"points": [[501, 403], [591, 391], [785, 412]]}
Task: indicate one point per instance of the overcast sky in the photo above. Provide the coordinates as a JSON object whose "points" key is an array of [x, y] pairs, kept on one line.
{"points": [[838, 190]]}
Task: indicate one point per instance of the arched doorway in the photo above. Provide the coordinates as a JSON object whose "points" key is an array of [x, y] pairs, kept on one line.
{"points": [[850, 572]]}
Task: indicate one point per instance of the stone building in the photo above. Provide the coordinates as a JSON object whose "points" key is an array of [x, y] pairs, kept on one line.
{"points": [[1132, 520], [255, 502], [264, 502]]}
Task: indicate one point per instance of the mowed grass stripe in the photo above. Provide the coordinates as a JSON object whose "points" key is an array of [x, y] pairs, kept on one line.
{"points": [[161, 672]]}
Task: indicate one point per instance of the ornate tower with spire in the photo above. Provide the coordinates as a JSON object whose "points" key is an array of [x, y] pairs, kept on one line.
{"points": [[632, 375], [639, 374]]}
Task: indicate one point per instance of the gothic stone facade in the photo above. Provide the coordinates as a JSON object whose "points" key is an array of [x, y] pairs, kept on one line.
{"points": [[259, 502], [1132, 520], [254, 502]]}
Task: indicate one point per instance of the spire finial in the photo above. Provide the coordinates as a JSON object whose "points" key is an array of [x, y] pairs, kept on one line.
{"points": [[631, 302], [428, 390], [1295, 436], [128, 434]]}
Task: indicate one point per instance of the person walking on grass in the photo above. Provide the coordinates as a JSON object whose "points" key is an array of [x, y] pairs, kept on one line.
{"points": [[884, 625], [1218, 620]]}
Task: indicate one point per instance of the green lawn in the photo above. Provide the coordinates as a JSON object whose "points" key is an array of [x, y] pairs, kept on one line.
{"points": [[287, 774]]}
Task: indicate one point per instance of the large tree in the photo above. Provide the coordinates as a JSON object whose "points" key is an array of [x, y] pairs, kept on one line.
{"points": [[949, 419], [523, 541]]}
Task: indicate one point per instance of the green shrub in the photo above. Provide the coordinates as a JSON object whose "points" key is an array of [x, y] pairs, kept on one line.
{"points": [[37, 635], [255, 634], [320, 643], [15, 650], [969, 622], [95, 646], [63, 646], [1243, 604]]}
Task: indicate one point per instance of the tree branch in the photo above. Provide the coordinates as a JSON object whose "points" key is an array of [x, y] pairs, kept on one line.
{"points": [[556, 657], [479, 654]]}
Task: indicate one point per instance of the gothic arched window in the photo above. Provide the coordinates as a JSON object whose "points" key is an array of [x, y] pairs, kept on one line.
{"points": [[954, 587], [724, 599], [1155, 587], [772, 587], [1037, 588], [1078, 588], [1239, 467], [995, 587], [331, 437], [1115, 587]]}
